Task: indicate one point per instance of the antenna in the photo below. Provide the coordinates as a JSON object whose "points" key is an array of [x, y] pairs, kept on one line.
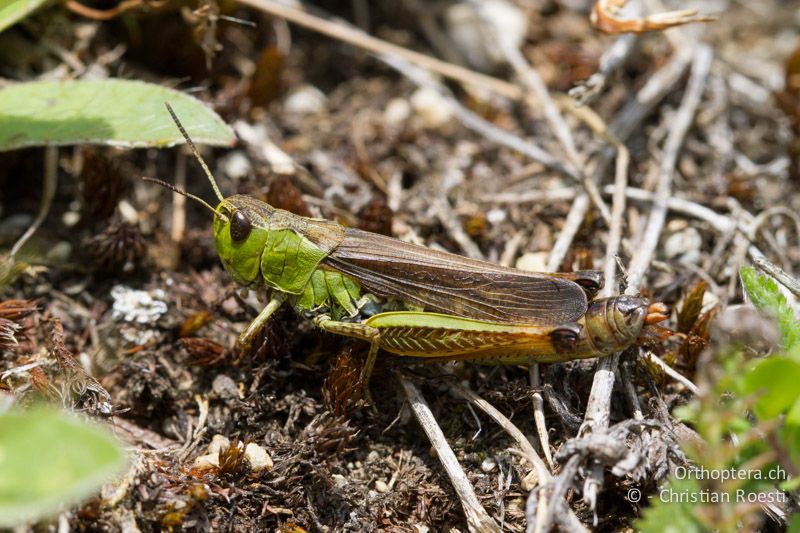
{"points": [[184, 193], [196, 154]]}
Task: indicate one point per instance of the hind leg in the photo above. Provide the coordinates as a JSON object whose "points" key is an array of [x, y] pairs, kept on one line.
{"points": [[359, 331]]}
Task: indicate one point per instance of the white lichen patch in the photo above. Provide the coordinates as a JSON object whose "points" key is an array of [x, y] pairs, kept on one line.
{"points": [[131, 305]]}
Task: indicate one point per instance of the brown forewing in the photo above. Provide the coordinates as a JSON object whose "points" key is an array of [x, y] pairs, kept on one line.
{"points": [[455, 285]]}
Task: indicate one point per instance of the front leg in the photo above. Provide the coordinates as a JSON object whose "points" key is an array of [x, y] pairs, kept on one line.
{"points": [[359, 331], [245, 341]]}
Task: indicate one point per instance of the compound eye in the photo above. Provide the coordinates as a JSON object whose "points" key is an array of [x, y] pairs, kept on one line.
{"points": [[240, 227], [566, 338]]}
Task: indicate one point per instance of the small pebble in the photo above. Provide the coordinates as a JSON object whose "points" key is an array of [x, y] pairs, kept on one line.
{"points": [[128, 213], [339, 480], [236, 165], [381, 486], [420, 528], [60, 252], [487, 465], [218, 442], [257, 136], [257, 457], [397, 111], [529, 481], [431, 107], [533, 262], [373, 456], [305, 100], [496, 216], [70, 218], [225, 387], [684, 246], [710, 300], [207, 461], [467, 28]]}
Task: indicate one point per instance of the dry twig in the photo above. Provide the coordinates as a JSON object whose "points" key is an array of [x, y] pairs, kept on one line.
{"points": [[599, 404], [477, 517], [522, 441], [108, 14], [538, 414], [626, 122], [613, 58], [767, 266], [356, 37], [50, 181], [701, 66], [605, 17]]}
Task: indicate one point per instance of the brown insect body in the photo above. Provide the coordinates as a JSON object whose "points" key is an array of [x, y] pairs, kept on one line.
{"points": [[609, 325], [451, 284]]}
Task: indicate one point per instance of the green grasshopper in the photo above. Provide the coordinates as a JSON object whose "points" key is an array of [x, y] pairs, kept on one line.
{"points": [[460, 308]]}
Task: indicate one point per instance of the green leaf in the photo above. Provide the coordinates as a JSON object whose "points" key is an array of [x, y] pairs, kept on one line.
{"points": [[776, 379], [791, 433], [767, 297], [667, 514], [12, 11], [793, 416], [112, 112], [47, 459], [790, 485], [687, 412], [794, 524]]}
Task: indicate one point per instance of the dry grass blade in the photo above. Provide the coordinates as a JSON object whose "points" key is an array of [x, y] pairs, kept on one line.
{"points": [[625, 123], [12, 313], [671, 372], [17, 310], [474, 122], [691, 308], [8, 332], [538, 414]]}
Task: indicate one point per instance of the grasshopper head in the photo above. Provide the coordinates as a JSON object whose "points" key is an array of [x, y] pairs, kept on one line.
{"points": [[241, 227], [615, 323], [241, 224]]}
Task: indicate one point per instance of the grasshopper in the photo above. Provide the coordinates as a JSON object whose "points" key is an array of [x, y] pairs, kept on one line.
{"points": [[456, 308]]}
